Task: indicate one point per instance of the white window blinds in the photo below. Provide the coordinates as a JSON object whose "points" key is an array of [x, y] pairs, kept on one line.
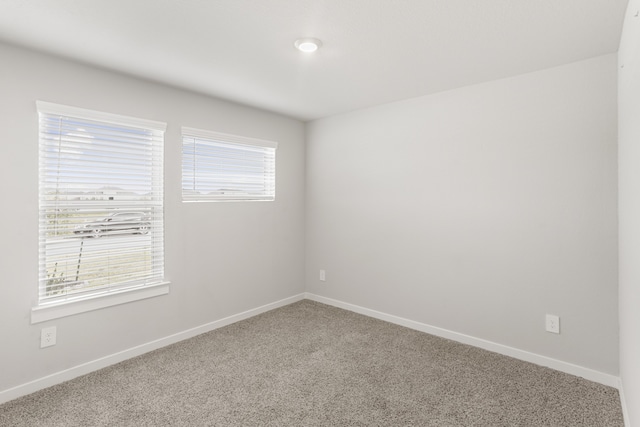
{"points": [[101, 203], [217, 166]]}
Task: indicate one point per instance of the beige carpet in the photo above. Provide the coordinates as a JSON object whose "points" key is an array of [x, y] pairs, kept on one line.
{"points": [[309, 364]]}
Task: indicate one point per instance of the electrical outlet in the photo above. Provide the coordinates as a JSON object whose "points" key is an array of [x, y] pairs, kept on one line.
{"points": [[323, 276], [48, 337], [553, 324]]}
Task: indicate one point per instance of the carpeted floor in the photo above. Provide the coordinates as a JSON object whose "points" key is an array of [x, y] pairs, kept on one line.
{"points": [[308, 364]]}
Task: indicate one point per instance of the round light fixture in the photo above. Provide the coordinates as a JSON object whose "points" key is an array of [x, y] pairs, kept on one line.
{"points": [[308, 45]]}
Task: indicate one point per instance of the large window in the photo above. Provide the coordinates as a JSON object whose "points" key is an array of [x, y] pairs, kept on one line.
{"points": [[101, 203], [217, 166]]}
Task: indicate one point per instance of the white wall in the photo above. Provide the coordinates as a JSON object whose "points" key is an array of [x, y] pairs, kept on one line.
{"points": [[629, 207], [477, 210], [222, 258]]}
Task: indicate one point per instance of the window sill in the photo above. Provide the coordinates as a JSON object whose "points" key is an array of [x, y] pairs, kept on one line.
{"points": [[69, 308]]}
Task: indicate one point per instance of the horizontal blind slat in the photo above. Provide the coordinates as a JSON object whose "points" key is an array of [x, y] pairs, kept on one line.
{"points": [[226, 167], [101, 216]]}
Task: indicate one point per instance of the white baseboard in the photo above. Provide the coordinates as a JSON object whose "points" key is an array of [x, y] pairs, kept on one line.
{"points": [[85, 368], [103, 362], [558, 365], [623, 402]]}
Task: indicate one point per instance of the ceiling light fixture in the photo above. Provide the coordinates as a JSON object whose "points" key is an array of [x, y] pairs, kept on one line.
{"points": [[308, 45]]}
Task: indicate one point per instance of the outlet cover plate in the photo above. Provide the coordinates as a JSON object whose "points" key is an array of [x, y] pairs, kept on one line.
{"points": [[48, 337], [553, 323]]}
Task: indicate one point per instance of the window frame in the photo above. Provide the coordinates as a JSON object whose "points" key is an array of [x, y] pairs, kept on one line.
{"points": [[117, 292], [229, 142]]}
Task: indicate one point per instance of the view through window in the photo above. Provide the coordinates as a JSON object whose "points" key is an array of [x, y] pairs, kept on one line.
{"points": [[218, 166], [101, 203]]}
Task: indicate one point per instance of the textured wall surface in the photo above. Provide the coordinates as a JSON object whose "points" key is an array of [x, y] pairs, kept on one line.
{"points": [[222, 258], [629, 164], [477, 210]]}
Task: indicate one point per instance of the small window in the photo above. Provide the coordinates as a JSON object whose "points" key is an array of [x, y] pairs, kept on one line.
{"points": [[101, 203], [217, 166]]}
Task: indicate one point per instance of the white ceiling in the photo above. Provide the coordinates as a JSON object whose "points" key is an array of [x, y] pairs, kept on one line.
{"points": [[375, 51]]}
